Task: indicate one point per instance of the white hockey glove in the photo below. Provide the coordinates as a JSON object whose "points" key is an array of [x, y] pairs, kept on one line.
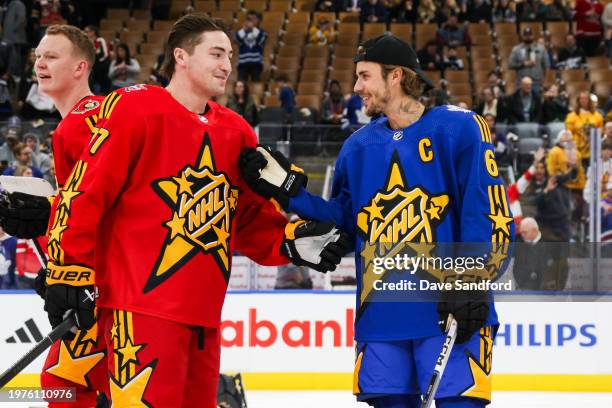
{"points": [[270, 174], [317, 245]]}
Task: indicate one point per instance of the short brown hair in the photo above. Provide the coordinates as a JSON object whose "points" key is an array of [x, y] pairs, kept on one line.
{"points": [[19, 148], [78, 38], [606, 144], [411, 84], [186, 34]]}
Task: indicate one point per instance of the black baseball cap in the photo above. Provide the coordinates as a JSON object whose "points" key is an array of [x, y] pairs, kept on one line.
{"points": [[388, 49]]}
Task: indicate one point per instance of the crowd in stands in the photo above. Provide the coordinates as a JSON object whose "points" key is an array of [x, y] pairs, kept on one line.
{"points": [[538, 71]]}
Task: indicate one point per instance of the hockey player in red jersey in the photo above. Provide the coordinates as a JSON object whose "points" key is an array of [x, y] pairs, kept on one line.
{"points": [[147, 222], [64, 58]]}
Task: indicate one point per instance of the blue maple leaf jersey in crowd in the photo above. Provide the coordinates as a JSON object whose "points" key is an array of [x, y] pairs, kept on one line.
{"points": [[435, 181]]}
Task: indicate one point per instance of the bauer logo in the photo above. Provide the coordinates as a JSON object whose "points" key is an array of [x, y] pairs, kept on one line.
{"points": [[546, 335], [257, 330]]}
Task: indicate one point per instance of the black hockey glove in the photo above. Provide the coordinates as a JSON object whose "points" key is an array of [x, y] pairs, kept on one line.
{"points": [[24, 215], [270, 174], [39, 283], [317, 245], [469, 308], [70, 288]]}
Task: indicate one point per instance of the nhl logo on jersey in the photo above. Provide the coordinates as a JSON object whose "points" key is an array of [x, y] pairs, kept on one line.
{"points": [[137, 87], [86, 106], [204, 206], [398, 213], [398, 135], [203, 203]]}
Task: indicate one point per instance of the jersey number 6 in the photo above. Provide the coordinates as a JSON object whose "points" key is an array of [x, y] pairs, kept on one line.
{"points": [[490, 163]]}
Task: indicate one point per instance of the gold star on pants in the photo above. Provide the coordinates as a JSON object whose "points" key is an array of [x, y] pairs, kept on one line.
{"points": [[131, 394], [74, 368]]}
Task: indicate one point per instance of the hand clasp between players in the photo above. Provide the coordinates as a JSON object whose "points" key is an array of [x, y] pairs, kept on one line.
{"points": [[317, 245]]}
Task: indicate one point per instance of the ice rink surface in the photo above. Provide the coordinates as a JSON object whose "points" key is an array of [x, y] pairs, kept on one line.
{"points": [[342, 399]]}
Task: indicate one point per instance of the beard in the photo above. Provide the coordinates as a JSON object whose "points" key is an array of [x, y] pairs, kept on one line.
{"points": [[378, 103]]}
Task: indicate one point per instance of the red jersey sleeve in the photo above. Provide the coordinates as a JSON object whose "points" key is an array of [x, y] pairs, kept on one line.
{"points": [[93, 184]]}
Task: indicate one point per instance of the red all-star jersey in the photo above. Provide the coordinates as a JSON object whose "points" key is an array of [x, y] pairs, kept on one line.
{"points": [[72, 135], [156, 205]]}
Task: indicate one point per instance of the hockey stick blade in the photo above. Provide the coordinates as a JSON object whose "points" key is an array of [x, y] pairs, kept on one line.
{"points": [[449, 341], [55, 334], [29, 185]]}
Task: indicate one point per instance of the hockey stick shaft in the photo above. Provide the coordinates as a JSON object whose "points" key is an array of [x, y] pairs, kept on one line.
{"points": [[55, 334], [449, 341], [40, 253]]}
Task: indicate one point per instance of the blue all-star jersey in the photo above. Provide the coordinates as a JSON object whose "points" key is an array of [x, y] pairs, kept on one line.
{"points": [[435, 181]]}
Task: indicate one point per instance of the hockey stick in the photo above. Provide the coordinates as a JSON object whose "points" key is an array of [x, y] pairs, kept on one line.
{"points": [[451, 335], [40, 253], [55, 334]]}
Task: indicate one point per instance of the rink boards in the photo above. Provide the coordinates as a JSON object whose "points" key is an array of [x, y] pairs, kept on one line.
{"points": [[304, 340]]}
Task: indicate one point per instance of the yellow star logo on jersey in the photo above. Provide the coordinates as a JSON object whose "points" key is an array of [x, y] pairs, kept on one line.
{"points": [[375, 211], [176, 225], [131, 394], [433, 211], [222, 235], [56, 232], [203, 203], [184, 184], [233, 199], [497, 256], [114, 330], [395, 215], [74, 368], [89, 337], [128, 352], [399, 213], [368, 252], [500, 221], [66, 196]]}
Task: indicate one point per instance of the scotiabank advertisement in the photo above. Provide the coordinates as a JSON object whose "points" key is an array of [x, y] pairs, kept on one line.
{"points": [[288, 332], [278, 334]]}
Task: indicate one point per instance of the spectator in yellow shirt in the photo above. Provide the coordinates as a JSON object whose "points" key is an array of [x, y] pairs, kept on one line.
{"points": [[563, 158], [322, 33], [581, 120]]}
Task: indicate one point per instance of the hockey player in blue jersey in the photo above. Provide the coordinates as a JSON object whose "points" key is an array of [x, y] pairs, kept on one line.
{"points": [[413, 175]]}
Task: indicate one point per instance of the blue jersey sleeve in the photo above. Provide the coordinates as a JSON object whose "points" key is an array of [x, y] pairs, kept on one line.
{"points": [[485, 212], [337, 209]]}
